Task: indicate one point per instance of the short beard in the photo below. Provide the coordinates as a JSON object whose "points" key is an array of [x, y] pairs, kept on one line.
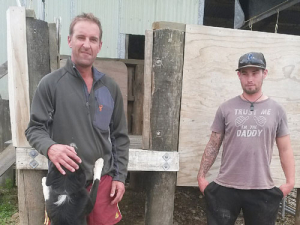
{"points": [[250, 92]]}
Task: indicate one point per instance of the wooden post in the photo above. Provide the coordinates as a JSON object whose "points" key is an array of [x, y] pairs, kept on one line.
{"points": [[28, 62], [138, 93], [18, 74], [147, 88], [5, 131], [297, 215], [168, 48]]}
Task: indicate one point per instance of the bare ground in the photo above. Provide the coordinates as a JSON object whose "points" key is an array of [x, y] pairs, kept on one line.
{"points": [[189, 209]]}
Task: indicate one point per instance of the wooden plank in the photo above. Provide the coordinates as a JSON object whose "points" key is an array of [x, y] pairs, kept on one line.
{"points": [[114, 69], [168, 48], [148, 160], [30, 197], [3, 69], [147, 88], [5, 127], [211, 57], [135, 141], [130, 70], [37, 35], [139, 160], [297, 215], [7, 159], [53, 47], [18, 74], [138, 92], [168, 25]]}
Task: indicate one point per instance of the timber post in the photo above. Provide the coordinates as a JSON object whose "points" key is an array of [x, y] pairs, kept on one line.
{"points": [[167, 58], [28, 62], [297, 214]]}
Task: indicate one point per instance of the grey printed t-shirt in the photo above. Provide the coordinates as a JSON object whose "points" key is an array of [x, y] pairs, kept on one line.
{"points": [[248, 142]]}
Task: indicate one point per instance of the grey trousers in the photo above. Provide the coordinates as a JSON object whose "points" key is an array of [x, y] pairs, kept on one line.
{"points": [[260, 207]]}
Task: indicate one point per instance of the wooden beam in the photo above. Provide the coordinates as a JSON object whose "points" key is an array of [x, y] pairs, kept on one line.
{"points": [[53, 48], [147, 88], [37, 33], [18, 74], [5, 126], [139, 160], [168, 25], [138, 92], [28, 62], [3, 69], [168, 46], [7, 159], [32, 204], [297, 215]]}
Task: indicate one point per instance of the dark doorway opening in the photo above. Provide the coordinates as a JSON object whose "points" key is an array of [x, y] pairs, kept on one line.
{"points": [[136, 46]]}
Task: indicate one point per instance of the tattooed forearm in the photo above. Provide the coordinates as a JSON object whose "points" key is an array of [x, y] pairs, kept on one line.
{"points": [[210, 153]]}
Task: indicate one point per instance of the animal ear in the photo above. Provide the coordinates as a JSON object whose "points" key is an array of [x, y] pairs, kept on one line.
{"points": [[52, 174], [81, 176]]}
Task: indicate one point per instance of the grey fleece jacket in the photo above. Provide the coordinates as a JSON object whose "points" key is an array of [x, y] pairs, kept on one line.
{"points": [[63, 112]]}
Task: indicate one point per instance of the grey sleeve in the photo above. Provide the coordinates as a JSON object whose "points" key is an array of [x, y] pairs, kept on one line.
{"points": [[218, 124], [282, 128], [38, 130], [119, 138]]}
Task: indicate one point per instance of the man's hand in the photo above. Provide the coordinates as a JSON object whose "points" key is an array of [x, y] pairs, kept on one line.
{"points": [[63, 155], [286, 189], [202, 183], [117, 191]]}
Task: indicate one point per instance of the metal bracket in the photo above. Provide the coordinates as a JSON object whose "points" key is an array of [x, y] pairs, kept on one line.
{"points": [[33, 153], [166, 157], [166, 166], [33, 164]]}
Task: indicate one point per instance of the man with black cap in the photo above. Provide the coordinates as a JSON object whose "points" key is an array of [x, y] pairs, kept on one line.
{"points": [[248, 125]]}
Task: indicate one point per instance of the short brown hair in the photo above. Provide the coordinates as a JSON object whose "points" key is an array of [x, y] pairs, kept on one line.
{"points": [[86, 17]]}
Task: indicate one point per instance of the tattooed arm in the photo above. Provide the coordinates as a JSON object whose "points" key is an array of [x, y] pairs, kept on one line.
{"points": [[209, 156]]}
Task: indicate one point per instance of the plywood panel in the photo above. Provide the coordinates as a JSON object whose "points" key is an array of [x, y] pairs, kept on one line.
{"points": [[209, 79]]}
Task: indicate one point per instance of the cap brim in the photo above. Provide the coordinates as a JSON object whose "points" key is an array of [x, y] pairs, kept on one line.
{"points": [[250, 66]]}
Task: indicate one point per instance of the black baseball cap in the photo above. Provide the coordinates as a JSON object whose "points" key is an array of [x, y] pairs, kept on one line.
{"points": [[252, 59]]}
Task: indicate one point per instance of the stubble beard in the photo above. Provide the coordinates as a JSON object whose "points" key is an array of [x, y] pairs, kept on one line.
{"points": [[84, 63], [253, 91]]}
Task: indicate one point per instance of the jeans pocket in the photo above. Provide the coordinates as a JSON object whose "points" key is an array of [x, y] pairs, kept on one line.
{"points": [[279, 192], [207, 187]]}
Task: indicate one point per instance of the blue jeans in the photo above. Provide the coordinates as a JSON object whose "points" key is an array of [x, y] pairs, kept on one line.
{"points": [[260, 207]]}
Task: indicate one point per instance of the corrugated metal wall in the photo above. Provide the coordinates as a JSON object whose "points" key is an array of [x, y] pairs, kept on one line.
{"points": [[4, 5], [3, 39], [117, 16], [106, 11], [137, 16]]}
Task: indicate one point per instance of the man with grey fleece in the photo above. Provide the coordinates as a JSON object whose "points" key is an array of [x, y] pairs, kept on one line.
{"points": [[78, 104]]}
